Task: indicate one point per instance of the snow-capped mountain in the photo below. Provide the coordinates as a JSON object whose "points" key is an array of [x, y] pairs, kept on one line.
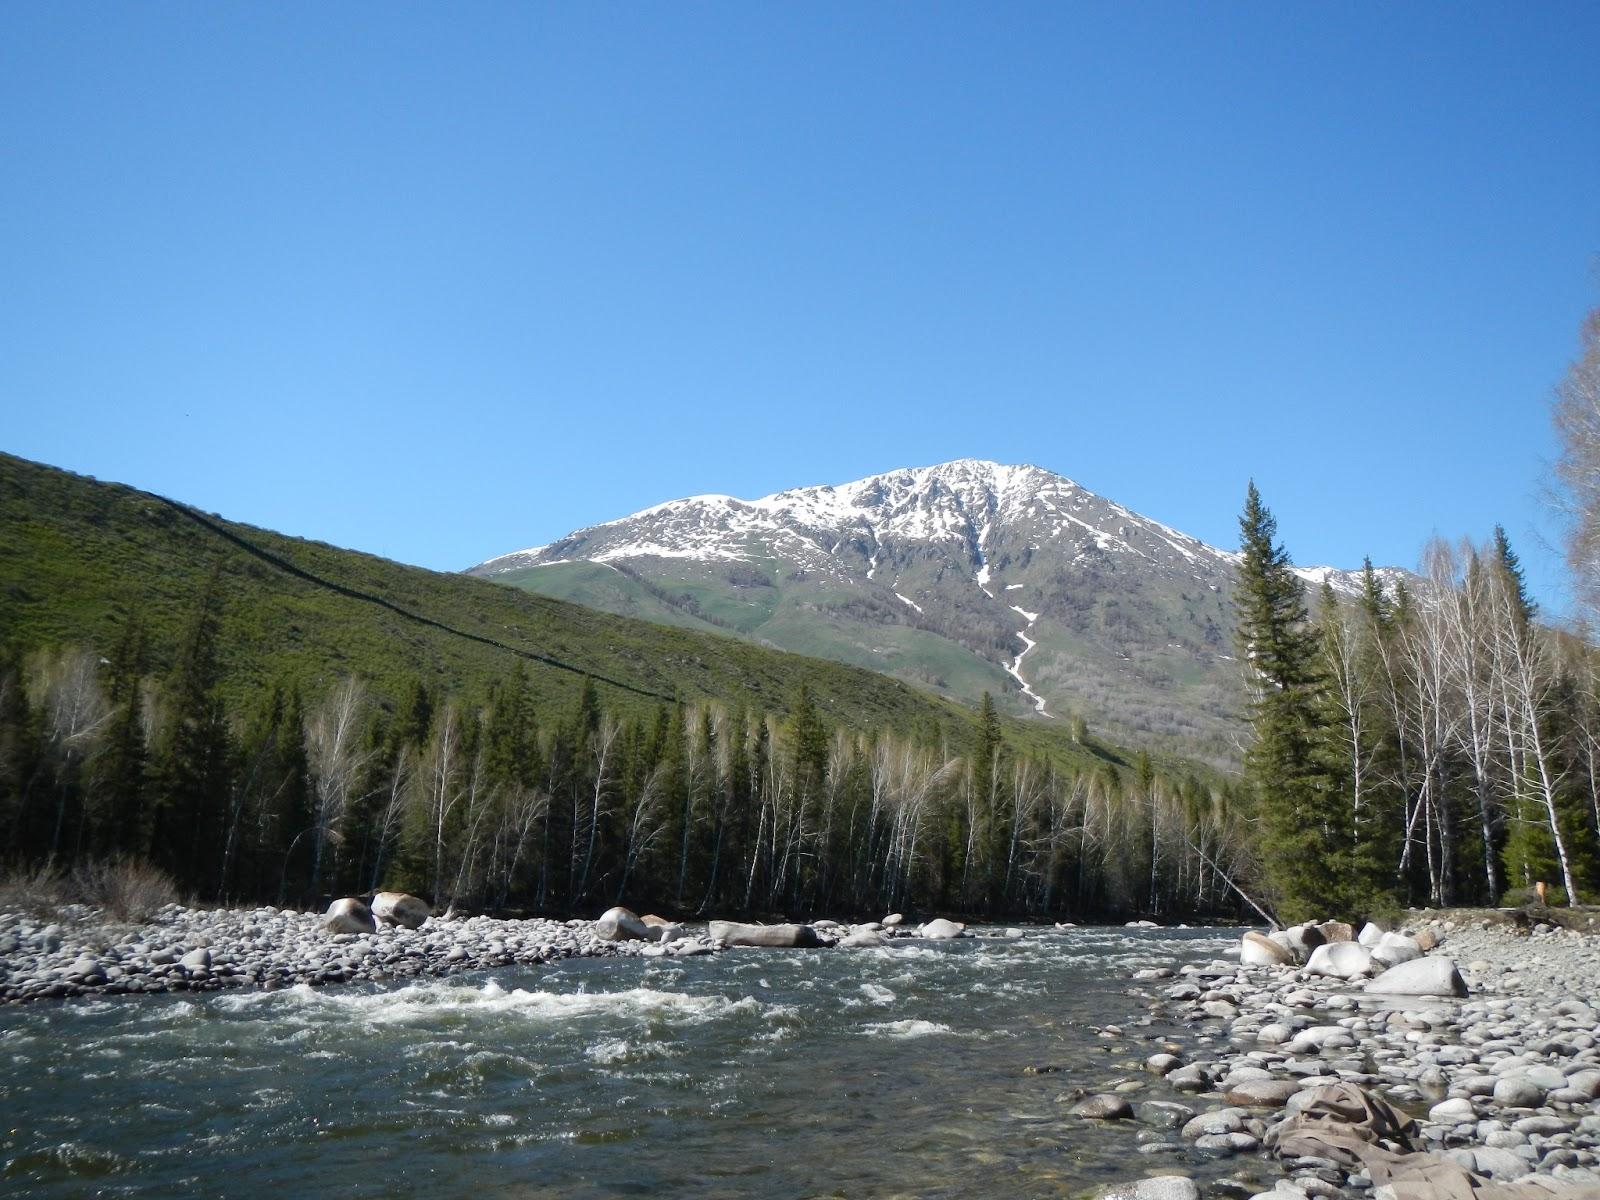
{"points": [[969, 576]]}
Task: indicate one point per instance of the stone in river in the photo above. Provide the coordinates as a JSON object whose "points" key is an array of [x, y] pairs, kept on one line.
{"points": [[863, 939], [1262, 1093], [348, 916], [1217, 1121], [400, 908], [1256, 950], [1163, 1114], [1163, 1064], [1103, 1108], [941, 930], [892, 920], [732, 933], [1431, 976]]}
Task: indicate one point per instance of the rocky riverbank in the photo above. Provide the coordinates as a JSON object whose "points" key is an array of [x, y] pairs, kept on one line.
{"points": [[1503, 1083], [187, 949], [78, 952]]}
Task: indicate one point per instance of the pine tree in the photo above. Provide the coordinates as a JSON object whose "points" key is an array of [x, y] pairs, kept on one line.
{"points": [[1302, 822]]}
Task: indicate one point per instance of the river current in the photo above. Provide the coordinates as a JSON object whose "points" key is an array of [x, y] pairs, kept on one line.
{"points": [[900, 1071]]}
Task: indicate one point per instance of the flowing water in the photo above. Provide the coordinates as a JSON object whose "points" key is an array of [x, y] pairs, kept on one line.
{"points": [[876, 1073]]}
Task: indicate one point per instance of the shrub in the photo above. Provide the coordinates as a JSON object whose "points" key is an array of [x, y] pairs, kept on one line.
{"points": [[121, 888], [1527, 897], [124, 888]]}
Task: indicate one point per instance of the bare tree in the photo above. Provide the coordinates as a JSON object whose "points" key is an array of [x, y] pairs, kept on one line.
{"points": [[336, 757], [76, 713], [1577, 421]]}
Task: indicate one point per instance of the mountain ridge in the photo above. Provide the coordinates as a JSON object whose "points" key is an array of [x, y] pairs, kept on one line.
{"points": [[1061, 596]]}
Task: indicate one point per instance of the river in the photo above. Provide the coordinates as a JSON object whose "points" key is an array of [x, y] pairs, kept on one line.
{"points": [[900, 1071]]}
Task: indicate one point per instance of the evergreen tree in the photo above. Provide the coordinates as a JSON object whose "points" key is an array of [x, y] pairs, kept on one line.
{"points": [[192, 763], [1302, 821], [120, 771]]}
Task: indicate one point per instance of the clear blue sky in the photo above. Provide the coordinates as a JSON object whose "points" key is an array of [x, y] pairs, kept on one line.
{"points": [[440, 282]]}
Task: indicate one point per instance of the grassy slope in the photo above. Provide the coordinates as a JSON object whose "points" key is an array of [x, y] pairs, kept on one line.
{"points": [[77, 554]]}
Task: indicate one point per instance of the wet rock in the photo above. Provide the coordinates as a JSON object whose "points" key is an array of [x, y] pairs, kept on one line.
{"points": [[863, 939], [1162, 1064], [941, 930], [1217, 1121], [1262, 1093], [1163, 1114], [1103, 1108]]}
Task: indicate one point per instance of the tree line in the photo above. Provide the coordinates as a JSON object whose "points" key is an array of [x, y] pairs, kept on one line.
{"points": [[503, 801], [1424, 743]]}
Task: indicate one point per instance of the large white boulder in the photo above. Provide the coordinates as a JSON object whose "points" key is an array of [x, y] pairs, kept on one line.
{"points": [[774, 937], [1392, 949], [1340, 960], [863, 939], [1430, 976], [1257, 950], [399, 908], [940, 930], [621, 925], [348, 916], [1370, 934]]}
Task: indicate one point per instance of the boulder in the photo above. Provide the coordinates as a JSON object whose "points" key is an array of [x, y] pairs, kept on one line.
{"points": [[665, 932], [196, 960], [1518, 1091], [1370, 934], [940, 930], [1392, 949], [621, 925], [863, 939], [1336, 931], [892, 920], [652, 919], [1427, 939], [348, 916], [398, 908], [1256, 950], [772, 937], [1303, 939], [1431, 976], [1340, 960]]}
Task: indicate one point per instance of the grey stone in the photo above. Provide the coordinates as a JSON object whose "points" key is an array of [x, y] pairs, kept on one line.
{"points": [[1431, 976], [1157, 1187], [1103, 1108]]}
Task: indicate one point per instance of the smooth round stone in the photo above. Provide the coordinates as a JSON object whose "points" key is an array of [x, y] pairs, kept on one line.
{"points": [[1518, 1091], [1103, 1108], [1262, 1093], [1159, 1187], [1227, 1143], [1451, 1112]]}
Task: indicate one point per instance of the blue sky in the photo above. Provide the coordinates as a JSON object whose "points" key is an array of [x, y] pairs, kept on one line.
{"points": [[440, 282]]}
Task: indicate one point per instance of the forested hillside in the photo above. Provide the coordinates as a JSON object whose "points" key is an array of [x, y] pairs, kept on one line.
{"points": [[264, 717]]}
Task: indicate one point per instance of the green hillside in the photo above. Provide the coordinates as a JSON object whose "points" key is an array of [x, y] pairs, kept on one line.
{"points": [[77, 555]]}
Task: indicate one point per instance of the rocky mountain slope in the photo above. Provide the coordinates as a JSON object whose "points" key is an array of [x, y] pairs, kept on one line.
{"points": [[970, 576]]}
